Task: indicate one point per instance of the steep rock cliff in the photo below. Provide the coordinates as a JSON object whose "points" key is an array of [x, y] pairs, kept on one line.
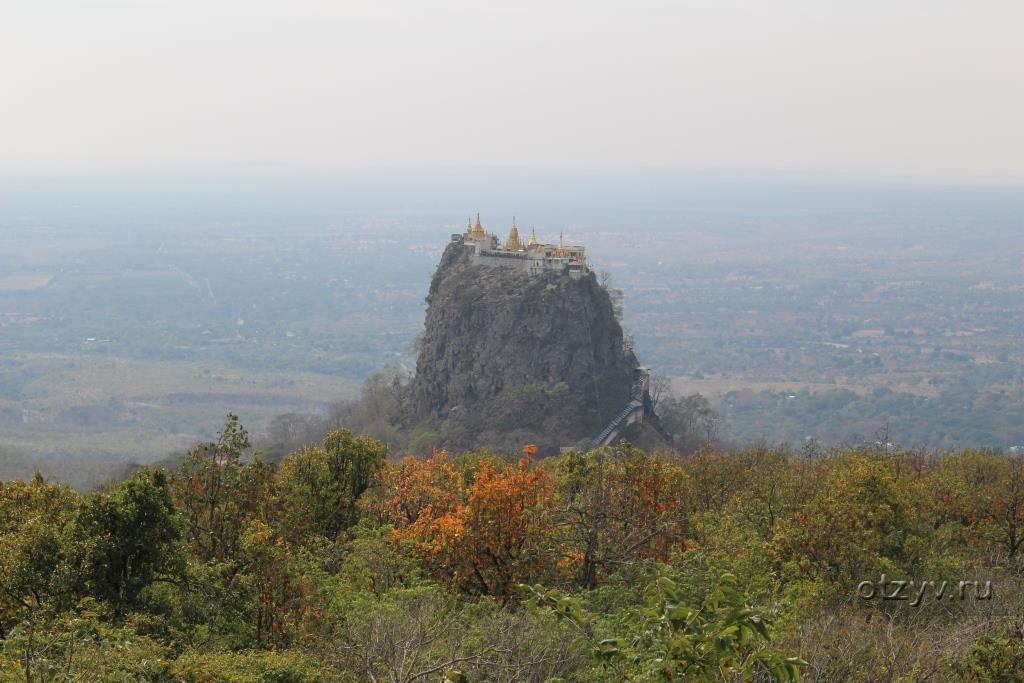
{"points": [[506, 357]]}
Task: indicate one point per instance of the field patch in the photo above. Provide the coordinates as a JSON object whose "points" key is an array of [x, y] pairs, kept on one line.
{"points": [[24, 283], [108, 409]]}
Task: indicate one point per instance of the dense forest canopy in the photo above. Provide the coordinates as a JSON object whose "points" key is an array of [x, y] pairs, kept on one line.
{"points": [[342, 562]]}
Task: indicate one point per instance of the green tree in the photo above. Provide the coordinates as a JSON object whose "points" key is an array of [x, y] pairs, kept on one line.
{"points": [[996, 658], [85, 643], [861, 522], [690, 420], [983, 491], [319, 487], [719, 638], [217, 494], [123, 540], [33, 516]]}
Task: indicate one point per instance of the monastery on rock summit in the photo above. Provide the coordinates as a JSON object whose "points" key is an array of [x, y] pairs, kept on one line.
{"points": [[533, 256]]}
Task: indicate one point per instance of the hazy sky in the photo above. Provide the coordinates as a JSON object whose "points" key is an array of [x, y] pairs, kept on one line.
{"points": [[929, 89]]}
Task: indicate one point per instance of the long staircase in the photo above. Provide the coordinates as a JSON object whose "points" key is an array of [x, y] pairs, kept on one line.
{"points": [[632, 412]]}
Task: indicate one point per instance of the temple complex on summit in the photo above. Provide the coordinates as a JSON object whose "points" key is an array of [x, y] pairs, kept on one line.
{"points": [[532, 256]]}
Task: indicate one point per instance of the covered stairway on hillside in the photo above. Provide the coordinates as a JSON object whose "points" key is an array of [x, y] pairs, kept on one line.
{"points": [[631, 413]]}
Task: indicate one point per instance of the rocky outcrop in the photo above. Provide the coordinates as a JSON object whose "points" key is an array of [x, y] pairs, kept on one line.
{"points": [[506, 357]]}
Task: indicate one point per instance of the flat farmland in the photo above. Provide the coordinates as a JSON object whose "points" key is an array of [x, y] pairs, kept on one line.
{"points": [[110, 409], [17, 283]]}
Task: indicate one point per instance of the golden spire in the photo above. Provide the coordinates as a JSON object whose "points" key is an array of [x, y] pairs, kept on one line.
{"points": [[513, 243], [469, 226], [478, 230], [533, 238]]}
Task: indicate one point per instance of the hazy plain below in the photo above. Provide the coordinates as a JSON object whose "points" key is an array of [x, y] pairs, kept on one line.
{"points": [[136, 312]]}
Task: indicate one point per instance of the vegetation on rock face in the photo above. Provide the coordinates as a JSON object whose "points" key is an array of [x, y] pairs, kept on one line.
{"points": [[342, 564]]}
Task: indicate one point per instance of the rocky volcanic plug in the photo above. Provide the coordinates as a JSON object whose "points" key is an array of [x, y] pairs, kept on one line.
{"points": [[508, 357]]}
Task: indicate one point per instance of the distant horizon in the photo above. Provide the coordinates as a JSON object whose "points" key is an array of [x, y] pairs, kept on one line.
{"points": [[277, 195], [718, 173]]}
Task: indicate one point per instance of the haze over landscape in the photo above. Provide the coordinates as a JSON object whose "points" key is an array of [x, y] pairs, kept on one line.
{"points": [[268, 215], [912, 89], [133, 321], [537, 341]]}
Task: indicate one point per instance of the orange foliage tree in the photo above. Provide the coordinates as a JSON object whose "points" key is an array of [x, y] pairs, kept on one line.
{"points": [[414, 488], [486, 537]]}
